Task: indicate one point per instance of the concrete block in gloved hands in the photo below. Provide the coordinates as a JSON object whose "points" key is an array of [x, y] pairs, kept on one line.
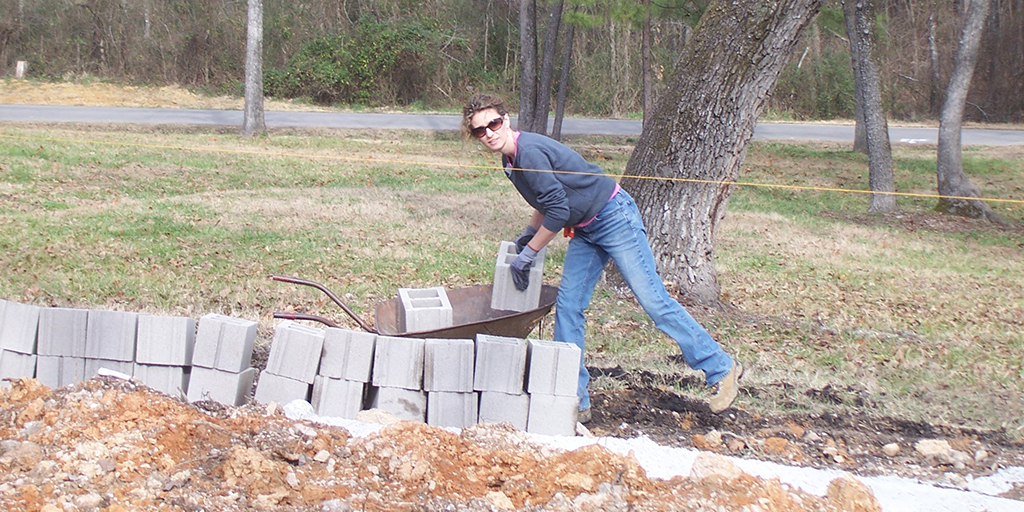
{"points": [[504, 295]]}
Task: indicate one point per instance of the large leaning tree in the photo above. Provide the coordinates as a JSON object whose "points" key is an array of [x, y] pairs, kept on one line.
{"points": [[696, 139]]}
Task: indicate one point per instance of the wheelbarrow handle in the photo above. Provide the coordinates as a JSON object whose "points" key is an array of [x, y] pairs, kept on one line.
{"points": [[318, 286], [303, 316]]}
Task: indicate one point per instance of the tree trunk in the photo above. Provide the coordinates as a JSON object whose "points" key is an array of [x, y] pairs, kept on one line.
{"points": [[547, 68], [697, 137], [876, 128], [954, 186], [935, 85], [253, 122], [645, 52], [527, 64], [860, 134], [563, 82]]}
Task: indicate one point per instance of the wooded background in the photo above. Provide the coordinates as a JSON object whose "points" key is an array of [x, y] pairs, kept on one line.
{"points": [[432, 54]]}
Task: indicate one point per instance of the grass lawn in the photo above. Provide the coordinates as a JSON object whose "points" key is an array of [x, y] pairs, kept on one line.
{"points": [[911, 315]]}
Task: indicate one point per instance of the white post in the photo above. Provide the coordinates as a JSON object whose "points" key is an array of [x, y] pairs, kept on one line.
{"points": [[20, 69]]}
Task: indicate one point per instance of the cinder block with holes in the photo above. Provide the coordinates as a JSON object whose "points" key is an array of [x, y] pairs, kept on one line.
{"points": [[423, 309], [398, 362], [504, 295], [295, 352], [553, 367], [224, 343], [552, 414], [338, 398], [19, 324], [497, 407], [451, 409], [62, 332], [230, 388], [281, 389], [448, 365], [347, 354], [500, 364], [110, 335], [165, 340]]}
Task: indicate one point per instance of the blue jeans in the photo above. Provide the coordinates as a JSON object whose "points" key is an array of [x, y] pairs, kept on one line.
{"points": [[618, 233]]}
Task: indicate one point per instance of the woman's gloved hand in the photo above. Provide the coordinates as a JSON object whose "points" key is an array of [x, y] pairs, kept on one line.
{"points": [[520, 268], [525, 238]]}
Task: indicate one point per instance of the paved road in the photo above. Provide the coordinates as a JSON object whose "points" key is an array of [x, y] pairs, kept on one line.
{"points": [[570, 126]]}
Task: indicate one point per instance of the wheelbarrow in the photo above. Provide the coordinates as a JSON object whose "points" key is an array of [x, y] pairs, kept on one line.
{"points": [[471, 314]]}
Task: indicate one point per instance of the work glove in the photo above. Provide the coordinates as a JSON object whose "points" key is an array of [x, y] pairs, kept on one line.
{"points": [[525, 238], [520, 268]]}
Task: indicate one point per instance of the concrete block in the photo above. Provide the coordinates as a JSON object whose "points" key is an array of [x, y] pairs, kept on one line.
{"points": [[110, 335], [423, 309], [295, 352], [92, 367], [165, 340], [447, 409], [60, 371], [163, 378], [278, 388], [553, 367], [62, 332], [347, 354], [500, 364], [406, 404], [19, 324], [14, 365], [504, 295], [398, 362], [552, 415], [337, 398], [230, 388], [224, 343], [497, 407], [448, 365]]}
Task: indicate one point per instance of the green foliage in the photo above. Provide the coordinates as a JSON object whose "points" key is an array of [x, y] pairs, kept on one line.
{"points": [[378, 63], [821, 89]]}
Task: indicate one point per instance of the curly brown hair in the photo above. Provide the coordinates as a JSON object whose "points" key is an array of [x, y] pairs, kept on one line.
{"points": [[476, 103]]}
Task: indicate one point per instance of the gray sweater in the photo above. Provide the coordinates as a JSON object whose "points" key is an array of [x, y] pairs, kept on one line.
{"points": [[571, 195]]}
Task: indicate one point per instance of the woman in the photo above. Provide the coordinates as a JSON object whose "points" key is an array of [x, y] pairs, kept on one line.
{"points": [[568, 193]]}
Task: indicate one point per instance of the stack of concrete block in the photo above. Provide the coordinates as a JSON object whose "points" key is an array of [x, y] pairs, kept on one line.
{"points": [[19, 325], [398, 378], [423, 309], [110, 341], [499, 377], [293, 363], [346, 366], [61, 348], [504, 295], [553, 370], [221, 360], [448, 381], [163, 352]]}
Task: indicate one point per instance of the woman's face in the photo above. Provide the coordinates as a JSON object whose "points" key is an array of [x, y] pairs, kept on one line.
{"points": [[492, 130]]}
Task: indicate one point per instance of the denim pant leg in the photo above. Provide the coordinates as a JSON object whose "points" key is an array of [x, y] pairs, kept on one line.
{"points": [[582, 268], [620, 232]]}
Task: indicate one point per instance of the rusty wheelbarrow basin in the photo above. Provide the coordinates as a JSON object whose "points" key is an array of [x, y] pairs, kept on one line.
{"points": [[471, 315]]}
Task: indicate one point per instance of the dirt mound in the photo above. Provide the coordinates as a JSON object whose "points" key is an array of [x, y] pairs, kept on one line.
{"points": [[108, 444]]}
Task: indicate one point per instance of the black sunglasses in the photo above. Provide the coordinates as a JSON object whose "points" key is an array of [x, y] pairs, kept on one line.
{"points": [[494, 126]]}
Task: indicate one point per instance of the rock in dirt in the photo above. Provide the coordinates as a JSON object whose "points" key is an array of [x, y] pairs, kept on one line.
{"points": [[851, 495]]}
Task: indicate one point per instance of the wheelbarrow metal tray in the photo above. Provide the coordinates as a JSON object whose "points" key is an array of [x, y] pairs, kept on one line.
{"points": [[471, 315]]}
